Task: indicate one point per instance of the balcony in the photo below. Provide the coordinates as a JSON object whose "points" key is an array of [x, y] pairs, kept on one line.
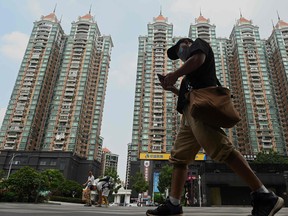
{"points": [[72, 78], [77, 45], [260, 102], [159, 139], [156, 148], [69, 94], [10, 142], [9, 147], [70, 89], [71, 85], [28, 79], [36, 56], [18, 113], [75, 67], [27, 84], [266, 141], [158, 127], [57, 147], [21, 98], [16, 119], [20, 108], [30, 74], [67, 99], [64, 119], [158, 111], [15, 128], [77, 51], [60, 136], [12, 136]]}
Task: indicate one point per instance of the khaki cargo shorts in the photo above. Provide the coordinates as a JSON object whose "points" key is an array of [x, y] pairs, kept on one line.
{"points": [[194, 134]]}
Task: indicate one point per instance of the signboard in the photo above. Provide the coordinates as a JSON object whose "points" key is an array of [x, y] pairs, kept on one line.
{"points": [[156, 182], [166, 156], [154, 156], [146, 170], [200, 157]]}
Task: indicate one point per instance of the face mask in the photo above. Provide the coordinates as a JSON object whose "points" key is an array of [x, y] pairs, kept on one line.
{"points": [[183, 53]]}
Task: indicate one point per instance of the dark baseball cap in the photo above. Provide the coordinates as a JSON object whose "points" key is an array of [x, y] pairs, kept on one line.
{"points": [[172, 51]]}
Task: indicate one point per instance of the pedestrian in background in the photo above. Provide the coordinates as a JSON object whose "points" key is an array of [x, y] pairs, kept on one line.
{"points": [[104, 186], [86, 194]]}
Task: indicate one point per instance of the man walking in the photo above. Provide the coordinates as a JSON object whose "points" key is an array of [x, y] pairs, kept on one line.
{"points": [[199, 72], [88, 187]]}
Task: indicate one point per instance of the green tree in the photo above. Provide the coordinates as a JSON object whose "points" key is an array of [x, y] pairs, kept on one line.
{"points": [[55, 179], [139, 184], [71, 188], [2, 174], [165, 178], [113, 173], [26, 183], [270, 157]]}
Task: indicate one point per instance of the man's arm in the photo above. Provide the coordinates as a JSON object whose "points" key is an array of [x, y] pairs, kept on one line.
{"points": [[86, 183], [190, 66], [173, 89]]}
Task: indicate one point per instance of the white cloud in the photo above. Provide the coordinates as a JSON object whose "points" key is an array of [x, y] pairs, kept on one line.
{"points": [[13, 45], [2, 114]]}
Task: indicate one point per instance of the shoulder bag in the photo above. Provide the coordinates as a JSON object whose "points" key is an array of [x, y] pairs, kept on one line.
{"points": [[214, 106]]}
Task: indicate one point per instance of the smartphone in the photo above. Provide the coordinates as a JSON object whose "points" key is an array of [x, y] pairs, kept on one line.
{"points": [[160, 77]]}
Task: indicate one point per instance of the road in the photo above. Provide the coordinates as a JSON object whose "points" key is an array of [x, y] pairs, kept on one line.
{"points": [[67, 209]]}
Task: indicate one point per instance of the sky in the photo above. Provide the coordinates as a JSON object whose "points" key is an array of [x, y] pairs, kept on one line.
{"points": [[125, 21]]}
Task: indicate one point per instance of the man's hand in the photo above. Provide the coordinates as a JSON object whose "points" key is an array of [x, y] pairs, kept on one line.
{"points": [[171, 88], [170, 79]]}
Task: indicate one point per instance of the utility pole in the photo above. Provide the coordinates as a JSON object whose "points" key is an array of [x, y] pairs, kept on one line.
{"points": [[199, 184], [11, 162]]}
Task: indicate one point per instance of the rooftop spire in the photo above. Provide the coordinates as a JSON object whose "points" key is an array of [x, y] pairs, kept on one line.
{"points": [[278, 15], [55, 8], [240, 13], [161, 10], [90, 9], [200, 12], [273, 24]]}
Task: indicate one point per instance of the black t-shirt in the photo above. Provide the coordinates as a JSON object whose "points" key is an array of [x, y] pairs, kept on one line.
{"points": [[203, 77]]}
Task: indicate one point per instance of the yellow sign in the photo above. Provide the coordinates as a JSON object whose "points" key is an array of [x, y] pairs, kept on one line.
{"points": [[154, 156], [166, 156], [200, 157]]}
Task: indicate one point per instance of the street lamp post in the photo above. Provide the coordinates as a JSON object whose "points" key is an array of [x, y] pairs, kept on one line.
{"points": [[11, 162], [200, 196]]}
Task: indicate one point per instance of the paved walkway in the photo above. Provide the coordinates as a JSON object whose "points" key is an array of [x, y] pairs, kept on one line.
{"points": [[69, 209]]}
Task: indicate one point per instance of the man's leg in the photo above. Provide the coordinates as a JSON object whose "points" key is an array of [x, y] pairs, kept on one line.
{"points": [[179, 177], [106, 201], [99, 198], [219, 148], [100, 192], [184, 151], [240, 166], [89, 197], [263, 201]]}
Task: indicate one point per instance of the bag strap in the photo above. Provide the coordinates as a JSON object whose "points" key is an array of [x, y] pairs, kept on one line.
{"points": [[218, 82]]}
